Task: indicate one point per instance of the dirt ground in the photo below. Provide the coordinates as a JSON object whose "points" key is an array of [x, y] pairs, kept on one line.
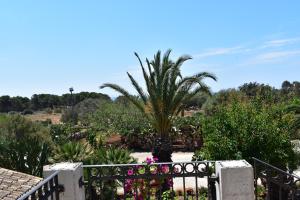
{"points": [[55, 118]]}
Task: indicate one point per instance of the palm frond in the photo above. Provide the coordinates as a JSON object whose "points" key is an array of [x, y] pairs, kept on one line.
{"points": [[138, 88], [124, 93], [293, 108], [166, 89]]}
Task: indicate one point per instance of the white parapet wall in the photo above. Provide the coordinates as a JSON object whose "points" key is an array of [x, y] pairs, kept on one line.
{"points": [[235, 180], [68, 177]]}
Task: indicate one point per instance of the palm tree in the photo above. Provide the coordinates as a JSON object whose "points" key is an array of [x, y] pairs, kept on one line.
{"points": [[166, 90]]}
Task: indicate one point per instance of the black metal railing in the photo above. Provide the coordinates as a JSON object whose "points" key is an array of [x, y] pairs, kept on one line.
{"points": [[150, 181], [272, 183], [44, 190]]}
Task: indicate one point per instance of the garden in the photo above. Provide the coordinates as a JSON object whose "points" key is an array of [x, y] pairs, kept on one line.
{"points": [[174, 113]]}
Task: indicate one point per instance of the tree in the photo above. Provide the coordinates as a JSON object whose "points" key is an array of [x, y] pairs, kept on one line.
{"points": [[245, 130], [286, 87], [295, 109], [166, 90], [296, 87]]}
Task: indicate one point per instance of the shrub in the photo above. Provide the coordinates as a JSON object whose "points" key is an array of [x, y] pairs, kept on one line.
{"points": [[24, 145], [187, 130], [87, 107], [72, 152], [246, 130], [69, 116], [125, 120], [112, 155], [48, 110], [57, 110], [61, 133], [112, 118], [27, 112]]}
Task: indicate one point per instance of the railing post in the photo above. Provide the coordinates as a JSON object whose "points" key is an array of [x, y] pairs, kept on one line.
{"points": [[69, 176], [235, 180]]}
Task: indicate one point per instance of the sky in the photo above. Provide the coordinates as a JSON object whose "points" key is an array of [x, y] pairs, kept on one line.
{"points": [[52, 45]]}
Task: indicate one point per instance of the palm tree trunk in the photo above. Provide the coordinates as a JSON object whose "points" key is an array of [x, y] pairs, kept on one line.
{"points": [[162, 149]]}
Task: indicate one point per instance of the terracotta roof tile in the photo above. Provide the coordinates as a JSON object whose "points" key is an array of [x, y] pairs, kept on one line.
{"points": [[13, 184]]}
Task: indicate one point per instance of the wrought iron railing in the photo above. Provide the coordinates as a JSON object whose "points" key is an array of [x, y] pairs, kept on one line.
{"points": [[150, 181], [272, 183], [45, 190]]}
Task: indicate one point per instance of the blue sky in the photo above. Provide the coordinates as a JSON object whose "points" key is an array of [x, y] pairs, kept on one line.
{"points": [[48, 46]]}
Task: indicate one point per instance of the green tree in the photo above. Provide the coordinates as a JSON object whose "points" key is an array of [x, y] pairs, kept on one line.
{"points": [[166, 90], [246, 130], [295, 109]]}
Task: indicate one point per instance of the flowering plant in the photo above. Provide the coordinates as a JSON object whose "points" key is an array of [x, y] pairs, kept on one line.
{"points": [[141, 188]]}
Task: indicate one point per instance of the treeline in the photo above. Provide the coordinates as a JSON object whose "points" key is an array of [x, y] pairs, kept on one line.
{"points": [[42, 101], [288, 91], [248, 91]]}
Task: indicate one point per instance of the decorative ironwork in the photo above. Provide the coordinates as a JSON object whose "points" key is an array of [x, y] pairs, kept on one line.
{"points": [[274, 183], [149, 181], [44, 190]]}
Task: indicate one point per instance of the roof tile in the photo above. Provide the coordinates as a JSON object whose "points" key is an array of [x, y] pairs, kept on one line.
{"points": [[13, 184]]}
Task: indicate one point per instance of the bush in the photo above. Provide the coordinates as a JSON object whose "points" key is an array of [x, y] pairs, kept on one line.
{"points": [[246, 130], [87, 107], [72, 152], [127, 121], [48, 110], [57, 110], [112, 155], [61, 133], [27, 112], [117, 118], [69, 116], [187, 132], [24, 145]]}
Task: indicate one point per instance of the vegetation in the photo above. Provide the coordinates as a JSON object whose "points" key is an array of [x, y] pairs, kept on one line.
{"points": [[72, 152], [253, 120], [244, 130], [295, 109], [27, 146], [126, 120], [24, 145], [43, 101], [166, 92], [112, 155]]}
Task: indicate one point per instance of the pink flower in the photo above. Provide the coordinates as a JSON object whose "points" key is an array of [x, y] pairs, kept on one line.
{"points": [[128, 188], [128, 181], [128, 185], [149, 161], [130, 172], [176, 170], [165, 169], [170, 182], [155, 159]]}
